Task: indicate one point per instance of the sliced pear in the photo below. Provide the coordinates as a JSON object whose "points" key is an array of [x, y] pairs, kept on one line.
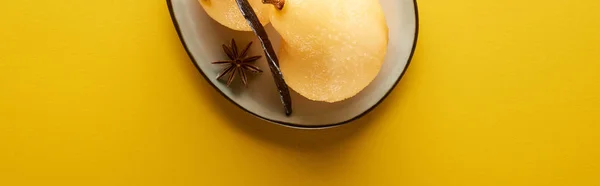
{"points": [[331, 49], [227, 13]]}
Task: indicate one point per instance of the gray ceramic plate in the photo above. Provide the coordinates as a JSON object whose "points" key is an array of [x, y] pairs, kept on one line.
{"points": [[202, 38]]}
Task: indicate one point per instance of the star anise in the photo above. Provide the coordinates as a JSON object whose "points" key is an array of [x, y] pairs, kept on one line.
{"points": [[238, 63]]}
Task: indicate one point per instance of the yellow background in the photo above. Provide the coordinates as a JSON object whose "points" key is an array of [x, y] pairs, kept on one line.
{"points": [[103, 93]]}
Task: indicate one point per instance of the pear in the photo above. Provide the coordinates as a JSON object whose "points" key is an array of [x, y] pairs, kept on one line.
{"points": [[331, 49], [226, 13]]}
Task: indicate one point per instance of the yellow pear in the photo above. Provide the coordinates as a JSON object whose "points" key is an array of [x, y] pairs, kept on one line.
{"points": [[227, 13], [331, 49]]}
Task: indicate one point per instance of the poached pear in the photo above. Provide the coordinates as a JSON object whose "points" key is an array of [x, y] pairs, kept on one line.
{"points": [[227, 13], [331, 49]]}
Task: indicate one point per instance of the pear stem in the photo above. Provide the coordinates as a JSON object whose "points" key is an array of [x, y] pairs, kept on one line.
{"points": [[277, 3]]}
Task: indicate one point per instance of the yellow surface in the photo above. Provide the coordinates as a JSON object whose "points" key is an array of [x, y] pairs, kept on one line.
{"points": [[102, 93]]}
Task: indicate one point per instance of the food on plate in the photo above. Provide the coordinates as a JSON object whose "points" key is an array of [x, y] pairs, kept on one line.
{"points": [[331, 49]]}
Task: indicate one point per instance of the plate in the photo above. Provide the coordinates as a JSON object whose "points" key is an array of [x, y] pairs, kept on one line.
{"points": [[202, 38]]}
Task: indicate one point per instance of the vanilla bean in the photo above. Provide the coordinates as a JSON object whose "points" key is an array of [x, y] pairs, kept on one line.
{"points": [[259, 30]]}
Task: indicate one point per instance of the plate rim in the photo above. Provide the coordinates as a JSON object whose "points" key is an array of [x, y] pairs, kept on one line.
{"points": [[287, 124]]}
